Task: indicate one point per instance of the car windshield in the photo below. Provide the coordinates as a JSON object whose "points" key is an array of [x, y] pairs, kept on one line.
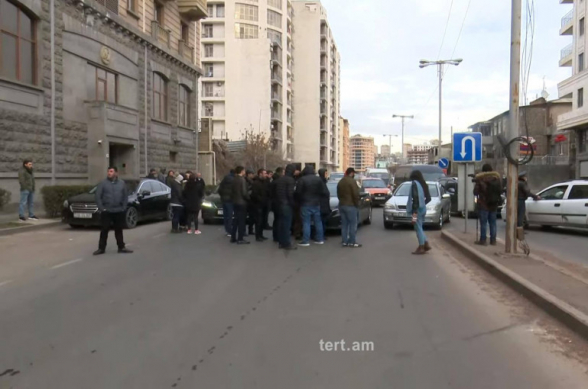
{"points": [[130, 184], [404, 190], [374, 184], [332, 189], [379, 175]]}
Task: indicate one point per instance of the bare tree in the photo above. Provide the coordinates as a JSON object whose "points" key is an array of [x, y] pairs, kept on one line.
{"points": [[260, 152]]}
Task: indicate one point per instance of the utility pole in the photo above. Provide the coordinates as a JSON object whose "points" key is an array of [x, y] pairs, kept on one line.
{"points": [[390, 146], [403, 117], [513, 128]]}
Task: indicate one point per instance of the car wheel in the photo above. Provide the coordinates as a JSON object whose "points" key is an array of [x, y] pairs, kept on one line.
{"points": [[131, 218], [368, 221], [169, 213], [388, 225], [440, 222]]}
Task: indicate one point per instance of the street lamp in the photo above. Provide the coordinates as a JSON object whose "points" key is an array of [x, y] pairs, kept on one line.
{"points": [[390, 145], [403, 117], [423, 63]]}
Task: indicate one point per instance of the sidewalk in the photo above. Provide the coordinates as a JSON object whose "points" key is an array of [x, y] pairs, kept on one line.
{"points": [[11, 224], [555, 285]]}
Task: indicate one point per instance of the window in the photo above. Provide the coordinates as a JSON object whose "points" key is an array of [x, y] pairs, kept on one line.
{"points": [[578, 192], [185, 32], [246, 12], [207, 89], [208, 109], [583, 141], [274, 18], [17, 44], [149, 186], [580, 62], [159, 11], [246, 31], [580, 97], [131, 5], [159, 97], [208, 31], [582, 27], [106, 86], [275, 3], [274, 36], [555, 193], [184, 107], [210, 10], [220, 11], [208, 51], [173, 156], [209, 70]]}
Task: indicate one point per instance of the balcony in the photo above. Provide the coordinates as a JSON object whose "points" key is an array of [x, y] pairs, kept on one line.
{"points": [[323, 142], [565, 59], [277, 115], [277, 78], [159, 33], [110, 5], [193, 10], [323, 94], [186, 51], [567, 24], [277, 98], [276, 58]]}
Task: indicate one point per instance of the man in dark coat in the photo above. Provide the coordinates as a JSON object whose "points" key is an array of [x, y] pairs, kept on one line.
{"points": [[193, 196], [325, 199], [524, 194], [259, 202], [225, 191], [240, 198], [488, 188], [274, 203], [152, 174], [310, 191], [249, 176], [284, 195]]}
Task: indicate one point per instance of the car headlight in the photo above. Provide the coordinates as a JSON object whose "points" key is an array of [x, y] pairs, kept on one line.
{"points": [[389, 206], [432, 207], [207, 204], [66, 204]]}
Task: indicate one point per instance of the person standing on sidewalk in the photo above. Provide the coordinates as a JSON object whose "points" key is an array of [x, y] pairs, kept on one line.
{"points": [[240, 198], [249, 176], [488, 188], [259, 202], [193, 196], [348, 194], [225, 191], [26, 179], [275, 204], [112, 199], [309, 191], [176, 201], [524, 194], [285, 202], [418, 198], [325, 200]]}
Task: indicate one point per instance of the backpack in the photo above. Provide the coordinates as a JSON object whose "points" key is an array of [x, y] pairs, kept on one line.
{"points": [[493, 192]]}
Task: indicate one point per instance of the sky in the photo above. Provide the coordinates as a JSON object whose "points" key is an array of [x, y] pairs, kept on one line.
{"points": [[382, 41]]}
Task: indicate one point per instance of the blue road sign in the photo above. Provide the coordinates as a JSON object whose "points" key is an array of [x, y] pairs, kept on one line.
{"points": [[443, 163], [467, 147]]}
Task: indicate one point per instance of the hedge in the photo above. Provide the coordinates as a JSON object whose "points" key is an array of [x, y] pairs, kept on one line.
{"points": [[54, 196], [4, 197]]}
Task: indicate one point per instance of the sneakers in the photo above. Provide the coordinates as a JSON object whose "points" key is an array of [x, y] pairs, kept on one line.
{"points": [[302, 244], [189, 232], [344, 245], [34, 218], [320, 242], [354, 245], [197, 232], [22, 219]]}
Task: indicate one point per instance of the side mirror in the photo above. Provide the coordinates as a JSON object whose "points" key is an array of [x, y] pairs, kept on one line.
{"points": [[145, 193], [451, 190]]}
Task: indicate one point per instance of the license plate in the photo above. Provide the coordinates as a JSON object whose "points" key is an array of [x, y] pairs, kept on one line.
{"points": [[82, 215], [220, 212], [379, 197]]}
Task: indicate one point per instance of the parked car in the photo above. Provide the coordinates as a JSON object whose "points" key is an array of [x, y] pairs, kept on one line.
{"points": [[563, 205], [148, 200], [438, 209], [430, 173], [365, 208], [383, 174], [378, 190], [336, 176], [212, 208]]}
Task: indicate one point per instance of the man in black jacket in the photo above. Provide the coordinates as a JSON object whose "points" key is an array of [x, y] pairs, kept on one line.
{"points": [[310, 190], [325, 199], [225, 191], [249, 176], [259, 202], [284, 195], [274, 203], [240, 198], [524, 194]]}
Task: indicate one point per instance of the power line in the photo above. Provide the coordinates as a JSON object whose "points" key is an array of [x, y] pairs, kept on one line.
{"points": [[445, 32], [461, 29]]}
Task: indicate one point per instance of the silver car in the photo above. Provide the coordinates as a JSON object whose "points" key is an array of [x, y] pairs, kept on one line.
{"points": [[438, 210]]}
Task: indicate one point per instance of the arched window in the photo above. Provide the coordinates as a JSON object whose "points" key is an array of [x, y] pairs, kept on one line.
{"points": [[184, 107], [17, 43], [159, 97]]}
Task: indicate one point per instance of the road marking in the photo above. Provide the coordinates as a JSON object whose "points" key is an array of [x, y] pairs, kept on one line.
{"points": [[67, 263], [159, 235], [5, 282]]}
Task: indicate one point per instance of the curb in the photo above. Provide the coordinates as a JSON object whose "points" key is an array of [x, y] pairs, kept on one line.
{"points": [[573, 318], [17, 230]]}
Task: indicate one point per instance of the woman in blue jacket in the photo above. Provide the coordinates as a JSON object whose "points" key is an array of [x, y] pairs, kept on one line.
{"points": [[418, 198]]}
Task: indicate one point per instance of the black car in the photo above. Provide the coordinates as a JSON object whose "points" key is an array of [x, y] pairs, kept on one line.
{"points": [[450, 186], [365, 208], [430, 173], [212, 208], [148, 200]]}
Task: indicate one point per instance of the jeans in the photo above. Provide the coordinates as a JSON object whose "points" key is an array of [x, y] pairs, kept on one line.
{"points": [[487, 217], [285, 225], [26, 200], [228, 217], [117, 220], [348, 223], [239, 222], [192, 217], [418, 226], [177, 216], [521, 212], [276, 223], [308, 212]]}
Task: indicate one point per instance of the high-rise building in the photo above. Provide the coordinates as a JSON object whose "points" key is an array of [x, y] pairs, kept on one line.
{"points": [[247, 61], [385, 150], [343, 144], [419, 154], [362, 152], [574, 56], [316, 86]]}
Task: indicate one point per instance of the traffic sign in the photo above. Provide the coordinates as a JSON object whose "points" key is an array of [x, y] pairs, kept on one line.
{"points": [[443, 163], [467, 147]]}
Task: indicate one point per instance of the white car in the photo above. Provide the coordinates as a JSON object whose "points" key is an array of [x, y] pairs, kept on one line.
{"points": [[564, 204], [438, 209]]}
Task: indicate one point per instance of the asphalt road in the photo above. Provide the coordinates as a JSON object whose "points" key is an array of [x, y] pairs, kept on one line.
{"points": [[565, 243], [196, 312]]}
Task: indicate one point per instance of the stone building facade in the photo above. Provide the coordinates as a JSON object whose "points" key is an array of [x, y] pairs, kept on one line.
{"points": [[98, 83]]}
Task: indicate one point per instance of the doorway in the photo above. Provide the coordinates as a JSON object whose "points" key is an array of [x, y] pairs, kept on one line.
{"points": [[122, 156]]}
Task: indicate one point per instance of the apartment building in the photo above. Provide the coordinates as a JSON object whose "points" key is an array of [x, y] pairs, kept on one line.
{"points": [[316, 87], [114, 85], [573, 24], [385, 150], [247, 62], [418, 154], [362, 152], [343, 147]]}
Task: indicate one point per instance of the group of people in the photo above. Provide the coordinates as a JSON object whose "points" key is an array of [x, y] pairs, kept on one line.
{"points": [[187, 195], [297, 200]]}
